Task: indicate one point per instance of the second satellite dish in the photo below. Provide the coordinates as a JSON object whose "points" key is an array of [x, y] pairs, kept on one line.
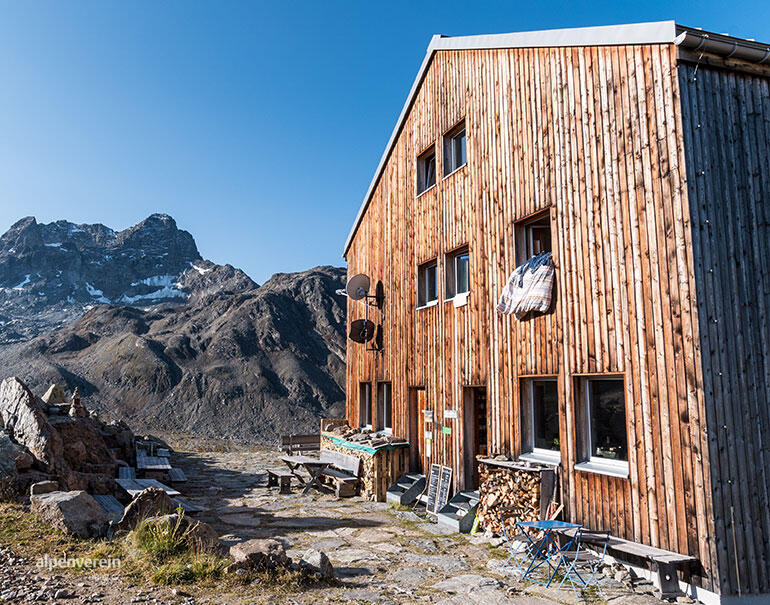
{"points": [[361, 331], [358, 286]]}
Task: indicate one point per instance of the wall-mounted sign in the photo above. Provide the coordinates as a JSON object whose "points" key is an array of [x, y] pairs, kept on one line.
{"points": [[450, 414], [428, 415], [427, 448], [429, 434], [447, 430]]}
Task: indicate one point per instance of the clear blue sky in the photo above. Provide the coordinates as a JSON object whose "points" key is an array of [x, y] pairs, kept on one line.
{"points": [[256, 125]]}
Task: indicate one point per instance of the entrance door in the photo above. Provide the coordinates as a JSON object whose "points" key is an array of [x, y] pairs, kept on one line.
{"points": [[474, 433], [417, 403]]}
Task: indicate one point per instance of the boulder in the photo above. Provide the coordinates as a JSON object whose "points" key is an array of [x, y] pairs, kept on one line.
{"points": [[26, 421], [200, 533], [152, 502], [74, 512], [318, 561], [43, 487], [258, 555]]}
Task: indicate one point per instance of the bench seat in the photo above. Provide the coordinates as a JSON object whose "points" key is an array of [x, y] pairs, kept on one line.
{"points": [[664, 562], [280, 477]]}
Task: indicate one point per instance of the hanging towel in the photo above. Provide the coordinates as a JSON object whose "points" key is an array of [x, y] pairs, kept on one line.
{"points": [[529, 287]]}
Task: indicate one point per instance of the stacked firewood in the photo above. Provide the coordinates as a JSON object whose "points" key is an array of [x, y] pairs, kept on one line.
{"points": [[505, 491]]}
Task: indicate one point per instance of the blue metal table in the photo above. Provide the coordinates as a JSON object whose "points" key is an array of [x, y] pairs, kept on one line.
{"points": [[545, 551]]}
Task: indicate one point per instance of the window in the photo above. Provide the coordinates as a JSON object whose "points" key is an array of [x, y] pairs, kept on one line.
{"points": [[603, 426], [426, 171], [384, 407], [427, 284], [365, 404], [457, 269], [540, 419], [533, 237], [454, 149]]}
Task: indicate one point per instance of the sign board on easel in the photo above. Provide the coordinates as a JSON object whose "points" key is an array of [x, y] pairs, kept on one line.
{"points": [[443, 489], [433, 485]]}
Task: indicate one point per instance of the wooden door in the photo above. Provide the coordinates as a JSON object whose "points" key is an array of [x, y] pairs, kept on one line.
{"points": [[475, 441], [417, 404]]}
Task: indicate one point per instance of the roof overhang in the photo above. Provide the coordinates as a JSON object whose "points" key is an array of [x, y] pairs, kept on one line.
{"points": [[657, 32]]}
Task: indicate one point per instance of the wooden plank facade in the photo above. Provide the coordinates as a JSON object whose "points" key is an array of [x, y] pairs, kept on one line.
{"points": [[607, 141]]}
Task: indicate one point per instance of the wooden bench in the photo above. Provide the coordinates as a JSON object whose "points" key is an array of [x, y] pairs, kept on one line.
{"points": [[280, 477], [664, 562], [343, 472], [300, 443]]}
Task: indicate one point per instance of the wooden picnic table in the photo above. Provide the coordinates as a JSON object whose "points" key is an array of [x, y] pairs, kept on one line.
{"points": [[314, 467], [137, 486]]}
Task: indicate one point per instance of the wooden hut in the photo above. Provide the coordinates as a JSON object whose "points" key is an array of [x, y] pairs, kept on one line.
{"points": [[639, 155]]}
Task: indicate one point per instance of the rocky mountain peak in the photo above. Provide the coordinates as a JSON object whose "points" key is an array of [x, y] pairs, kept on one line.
{"points": [[51, 273]]}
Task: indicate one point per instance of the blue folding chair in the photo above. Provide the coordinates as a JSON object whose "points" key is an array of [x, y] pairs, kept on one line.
{"points": [[583, 564], [516, 542]]}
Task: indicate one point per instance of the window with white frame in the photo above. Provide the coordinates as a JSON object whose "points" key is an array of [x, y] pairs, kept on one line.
{"points": [[602, 425], [365, 404], [427, 283], [457, 267], [426, 170], [384, 407], [454, 149], [540, 419]]}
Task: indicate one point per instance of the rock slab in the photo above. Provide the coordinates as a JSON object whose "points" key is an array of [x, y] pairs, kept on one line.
{"points": [[74, 512]]}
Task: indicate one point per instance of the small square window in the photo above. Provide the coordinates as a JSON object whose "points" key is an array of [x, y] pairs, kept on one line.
{"points": [[540, 419], [426, 170], [533, 237], [454, 149], [602, 424], [427, 283], [365, 404], [457, 268], [384, 407]]}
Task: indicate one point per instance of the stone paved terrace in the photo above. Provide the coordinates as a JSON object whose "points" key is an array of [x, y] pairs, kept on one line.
{"points": [[381, 555]]}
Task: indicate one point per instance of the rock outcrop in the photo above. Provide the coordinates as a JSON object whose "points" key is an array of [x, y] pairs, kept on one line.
{"points": [[75, 512], [79, 452], [151, 502]]}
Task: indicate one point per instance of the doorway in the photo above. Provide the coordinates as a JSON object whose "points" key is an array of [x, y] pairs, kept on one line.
{"points": [[474, 433], [417, 427]]}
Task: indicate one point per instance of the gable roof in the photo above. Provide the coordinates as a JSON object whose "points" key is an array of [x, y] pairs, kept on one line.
{"points": [[657, 32]]}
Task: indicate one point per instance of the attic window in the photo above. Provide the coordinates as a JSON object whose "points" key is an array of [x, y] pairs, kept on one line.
{"points": [[454, 149], [426, 170]]}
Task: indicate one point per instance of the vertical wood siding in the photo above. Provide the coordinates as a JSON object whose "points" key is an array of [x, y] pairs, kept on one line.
{"points": [[594, 135], [726, 123]]}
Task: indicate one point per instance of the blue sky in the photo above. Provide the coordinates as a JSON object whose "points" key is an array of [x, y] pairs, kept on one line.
{"points": [[256, 125]]}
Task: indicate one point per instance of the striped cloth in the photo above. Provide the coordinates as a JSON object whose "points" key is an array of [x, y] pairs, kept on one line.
{"points": [[529, 287]]}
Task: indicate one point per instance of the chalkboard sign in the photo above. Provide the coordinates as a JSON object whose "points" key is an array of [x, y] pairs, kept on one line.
{"points": [[435, 471], [443, 490]]}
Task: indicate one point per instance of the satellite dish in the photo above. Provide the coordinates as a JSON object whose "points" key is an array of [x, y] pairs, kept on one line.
{"points": [[358, 286], [361, 331]]}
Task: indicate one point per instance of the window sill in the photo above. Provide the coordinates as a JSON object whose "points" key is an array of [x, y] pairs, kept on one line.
{"points": [[544, 457], [604, 467], [421, 193], [459, 300], [432, 303], [456, 170]]}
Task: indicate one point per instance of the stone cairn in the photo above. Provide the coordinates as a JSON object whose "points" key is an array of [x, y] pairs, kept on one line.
{"points": [[77, 409]]}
